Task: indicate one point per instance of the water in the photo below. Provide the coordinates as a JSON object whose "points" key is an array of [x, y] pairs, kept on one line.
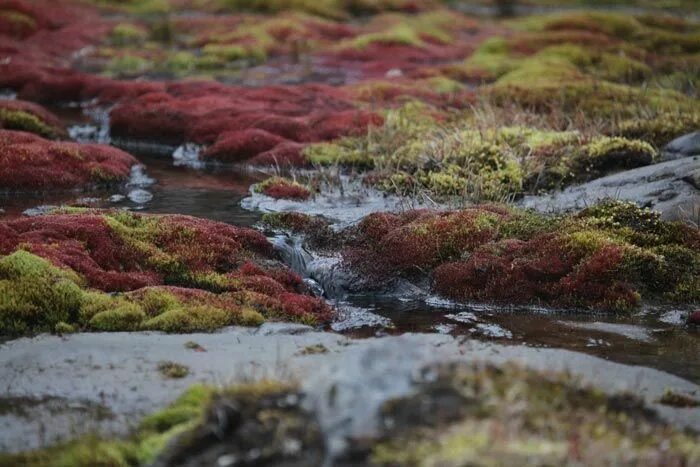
{"points": [[652, 338]]}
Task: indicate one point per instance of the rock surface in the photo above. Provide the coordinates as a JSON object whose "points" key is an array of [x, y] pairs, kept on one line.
{"points": [[684, 146], [117, 374], [668, 187]]}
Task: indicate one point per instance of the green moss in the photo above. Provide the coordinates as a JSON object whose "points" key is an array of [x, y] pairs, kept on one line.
{"points": [[402, 34], [156, 301], [125, 34], [221, 53], [541, 72], [249, 316], [337, 153], [659, 128], [143, 233], [25, 121], [181, 62], [314, 349], [35, 295], [128, 65], [96, 302], [191, 319], [127, 317], [64, 328]]}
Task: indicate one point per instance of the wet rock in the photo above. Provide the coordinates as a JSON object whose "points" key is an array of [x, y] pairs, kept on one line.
{"points": [[668, 187], [684, 146]]}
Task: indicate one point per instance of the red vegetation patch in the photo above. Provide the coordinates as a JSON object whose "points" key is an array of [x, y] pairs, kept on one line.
{"points": [[281, 188], [31, 163], [419, 240], [241, 145], [263, 125], [490, 254], [694, 318], [122, 251], [545, 269], [286, 153], [37, 41]]}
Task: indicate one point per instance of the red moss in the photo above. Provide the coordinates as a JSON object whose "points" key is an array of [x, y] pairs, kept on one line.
{"points": [[281, 188], [305, 307], [347, 123], [240, 145], [181, 246], [30, 163], [287, 153], [265, 124], [694, 318], [544, 269], [471, 255]]}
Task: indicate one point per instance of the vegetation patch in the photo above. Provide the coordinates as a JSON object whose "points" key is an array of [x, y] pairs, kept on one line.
{"points": [[173, 370], [56, 269], [466, 414], [282, 188], [606, 258], [29, 117], [31, 163], [413, 153]]}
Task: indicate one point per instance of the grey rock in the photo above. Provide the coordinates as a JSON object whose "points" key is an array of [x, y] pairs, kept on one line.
{"points": [[683, 146], [669, 187], [106, 382]]}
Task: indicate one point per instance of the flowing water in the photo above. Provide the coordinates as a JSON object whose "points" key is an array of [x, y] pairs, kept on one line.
{"points": [[651, 337]]}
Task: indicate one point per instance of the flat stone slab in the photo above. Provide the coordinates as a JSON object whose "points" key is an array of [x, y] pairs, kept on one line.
{"points": [[672, 188], [56, 388], [683, 146]]}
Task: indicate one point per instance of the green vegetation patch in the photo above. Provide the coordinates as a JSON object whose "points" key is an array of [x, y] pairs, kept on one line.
{"points": [[412, 155]]}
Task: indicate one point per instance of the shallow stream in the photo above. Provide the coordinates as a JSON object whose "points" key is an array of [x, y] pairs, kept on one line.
{"points": [[652, 338]]}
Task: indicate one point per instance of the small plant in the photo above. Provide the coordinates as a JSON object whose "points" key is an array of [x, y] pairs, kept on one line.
{"points": [[313, 349], [192, 345], [676, 399], [281, 188], [173, 370]]}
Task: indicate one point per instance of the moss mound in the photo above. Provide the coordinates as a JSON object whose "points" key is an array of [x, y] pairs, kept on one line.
{"points": [[605, 258], [57, 268]]}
